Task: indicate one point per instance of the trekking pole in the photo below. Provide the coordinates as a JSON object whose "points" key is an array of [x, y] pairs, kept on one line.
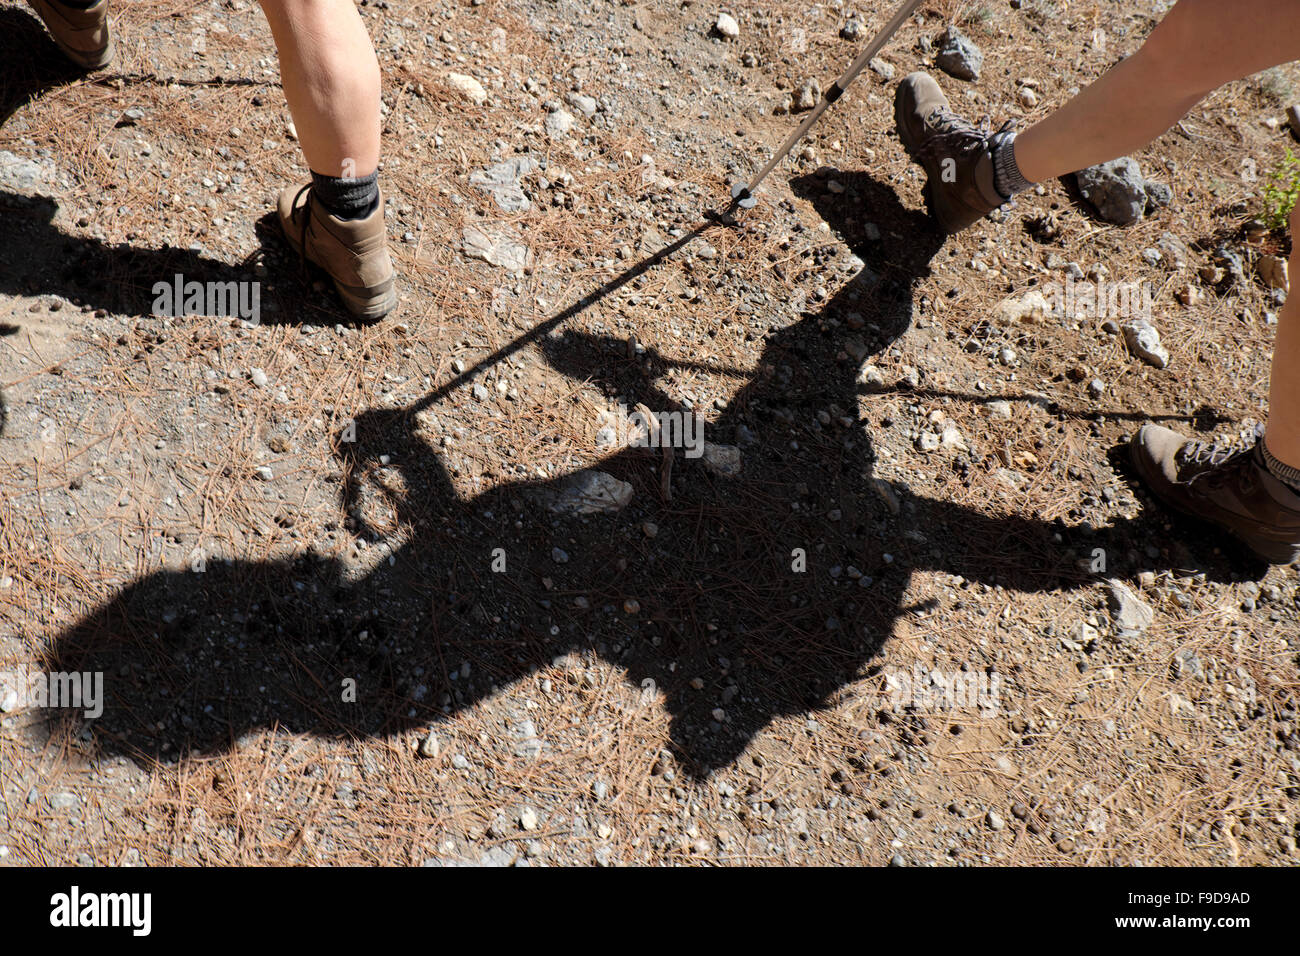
{"points": [[742, 195]]}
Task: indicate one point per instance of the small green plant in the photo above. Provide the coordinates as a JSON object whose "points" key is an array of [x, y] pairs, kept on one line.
{"points": [[1281, 191]]}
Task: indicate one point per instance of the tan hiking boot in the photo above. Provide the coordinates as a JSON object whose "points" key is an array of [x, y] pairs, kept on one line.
{"points": [[82, 35], [353, 251], [1233, 490], [957, 155]]}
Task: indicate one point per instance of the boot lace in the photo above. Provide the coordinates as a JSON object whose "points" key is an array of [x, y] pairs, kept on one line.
{"points": [[1220, 463], [951, 135]]}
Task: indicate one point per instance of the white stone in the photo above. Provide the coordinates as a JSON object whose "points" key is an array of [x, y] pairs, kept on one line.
{"points": [[468, 87]]}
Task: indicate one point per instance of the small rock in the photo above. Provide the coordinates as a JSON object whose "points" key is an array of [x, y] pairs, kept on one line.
{"points": [[1033, 305], [952, 439], [994, 820], [559, 124], [1143, 341], [1116, 189], [498, 247], [1172, 251], [927, 442], [1131, 615], [586, 105], [810, 94], [1273, 270], [502, 182], [429, 746], [721, 460], [258, 377], [468, 87], [589, 492], [727, 26], [958, 56]]}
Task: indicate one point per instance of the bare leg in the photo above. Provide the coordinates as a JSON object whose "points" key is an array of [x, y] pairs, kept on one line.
{"points": [[1284, 385], [331, 81], [1198, 47]]}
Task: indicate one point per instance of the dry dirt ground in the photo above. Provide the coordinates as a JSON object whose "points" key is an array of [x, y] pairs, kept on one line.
{"points": [[708, 675]]}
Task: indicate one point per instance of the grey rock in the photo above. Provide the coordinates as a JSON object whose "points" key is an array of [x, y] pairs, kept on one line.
{"points": [[958, 56], [502, 182], [22, 175], [586, 105], [1131, 615], [1172, 251], [498, 247], [1158, 195], [527, 743], [588, 492], [722, 460], [1188, 664], [1143, 341], [1116, 189], [559, 124]]}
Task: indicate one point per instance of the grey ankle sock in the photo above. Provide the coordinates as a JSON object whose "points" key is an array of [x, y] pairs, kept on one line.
{"points": [[347, 197], [1007, 178], [1282, 472]]}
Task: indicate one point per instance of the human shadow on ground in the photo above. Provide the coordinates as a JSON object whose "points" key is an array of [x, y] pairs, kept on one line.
{"points": [[728, 631]]}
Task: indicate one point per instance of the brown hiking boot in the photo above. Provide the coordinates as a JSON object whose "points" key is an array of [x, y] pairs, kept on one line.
{"points": [[82, 35], [1233, 490], [353, 251], [956, 155]]}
